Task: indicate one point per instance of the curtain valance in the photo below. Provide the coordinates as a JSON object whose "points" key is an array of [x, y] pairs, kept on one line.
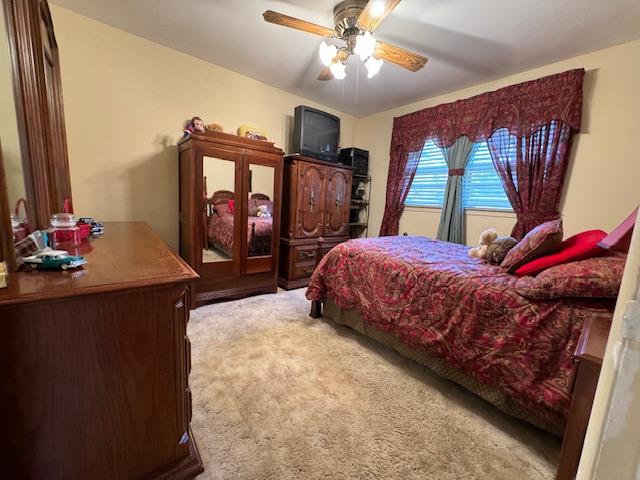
{"points": [[521, 108]]}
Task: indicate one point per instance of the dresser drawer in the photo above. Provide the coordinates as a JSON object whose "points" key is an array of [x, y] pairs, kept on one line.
{"points": [[305, 253], [303, 270]]}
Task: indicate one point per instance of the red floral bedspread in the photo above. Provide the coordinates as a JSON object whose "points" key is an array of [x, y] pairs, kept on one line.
{"points": [[433, 296], [221, 230]]}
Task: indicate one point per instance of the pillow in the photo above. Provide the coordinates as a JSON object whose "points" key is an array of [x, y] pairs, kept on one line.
{"points": [[543, 239], [597, 277], [579, 247], [232, 206], [222, 209]]}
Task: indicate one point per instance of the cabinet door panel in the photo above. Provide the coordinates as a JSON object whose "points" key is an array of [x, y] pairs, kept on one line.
{"points": [[310, 200], [219, 227], [338, 202]]}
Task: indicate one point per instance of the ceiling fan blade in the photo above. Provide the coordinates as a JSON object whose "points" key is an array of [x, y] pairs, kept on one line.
{"points": [[292, 22], [326, 74], [400, 56], [375, 12]]}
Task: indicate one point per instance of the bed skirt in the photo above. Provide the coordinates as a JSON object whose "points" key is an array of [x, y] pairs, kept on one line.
{"points": [[353, 320]]}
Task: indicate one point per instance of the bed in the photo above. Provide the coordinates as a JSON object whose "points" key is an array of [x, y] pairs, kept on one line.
{"points": [[220, 224], [461, 317]]}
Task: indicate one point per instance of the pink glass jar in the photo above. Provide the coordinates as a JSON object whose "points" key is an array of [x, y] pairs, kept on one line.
{"points": [[64, 234]]}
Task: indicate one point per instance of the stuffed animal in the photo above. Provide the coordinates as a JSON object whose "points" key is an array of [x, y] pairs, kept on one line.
{"points": [[194, 125], [263, 211], [499, 248], [214, 127], [486, 237]]}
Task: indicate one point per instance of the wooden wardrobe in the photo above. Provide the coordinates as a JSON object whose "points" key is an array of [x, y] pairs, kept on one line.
{"points": [[224, 179], [316, 199]]}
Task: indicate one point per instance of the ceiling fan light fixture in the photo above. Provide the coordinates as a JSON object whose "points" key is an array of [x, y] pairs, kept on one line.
{"points": [[365, 45], [373, 65], [339, 70], [377, 8], [327, 53]]}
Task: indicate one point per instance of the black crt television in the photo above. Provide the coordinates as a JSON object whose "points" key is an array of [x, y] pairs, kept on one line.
{"points": [[316, 133]]}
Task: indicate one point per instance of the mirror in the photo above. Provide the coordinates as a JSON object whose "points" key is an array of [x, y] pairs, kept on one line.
{"points": [[219, 205], [10, 139], [260, 210]]}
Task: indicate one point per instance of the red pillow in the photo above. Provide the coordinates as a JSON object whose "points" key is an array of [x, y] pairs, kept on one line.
{"points": [[232, 205], [579, 247]]}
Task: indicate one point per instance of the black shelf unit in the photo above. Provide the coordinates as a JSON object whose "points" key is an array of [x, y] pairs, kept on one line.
{"points": [[359, 215]]}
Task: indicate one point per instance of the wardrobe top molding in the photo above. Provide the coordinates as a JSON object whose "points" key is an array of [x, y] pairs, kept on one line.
{"points": [[231, 139]]}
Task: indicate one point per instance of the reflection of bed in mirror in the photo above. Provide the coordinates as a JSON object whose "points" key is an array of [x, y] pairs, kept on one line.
{"points": [[220, 224]]}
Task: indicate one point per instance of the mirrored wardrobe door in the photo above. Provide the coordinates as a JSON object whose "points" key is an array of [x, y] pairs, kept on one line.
{"points": [[260, 212], [219, 204]]}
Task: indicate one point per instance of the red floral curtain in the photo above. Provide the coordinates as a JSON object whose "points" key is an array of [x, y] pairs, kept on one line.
{"points": [[402, 169], [532, 170], [522, 109]]}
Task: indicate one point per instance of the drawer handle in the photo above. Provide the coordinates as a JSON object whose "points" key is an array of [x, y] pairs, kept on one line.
{"points": [[304, 254]]}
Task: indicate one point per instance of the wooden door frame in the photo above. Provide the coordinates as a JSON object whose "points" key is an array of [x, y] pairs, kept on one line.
{"points": [[23, 30]]}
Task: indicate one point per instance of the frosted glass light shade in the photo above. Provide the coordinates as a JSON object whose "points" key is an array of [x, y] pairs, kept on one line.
{"points": [[339, 70], [373, 65], [365, 45], [327, 53]]}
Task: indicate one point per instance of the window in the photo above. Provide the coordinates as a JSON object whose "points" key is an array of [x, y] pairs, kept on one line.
{"points": [[430, 180], [482, 186]]}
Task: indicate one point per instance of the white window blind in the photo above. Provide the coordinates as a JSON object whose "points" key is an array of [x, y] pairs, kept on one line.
{"points": [[430, 180], [482, 186]]}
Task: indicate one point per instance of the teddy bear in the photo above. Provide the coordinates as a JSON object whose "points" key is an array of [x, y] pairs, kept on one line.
{"points": [[491, 247], [263, 211], [486, 237], [498, 249], [214, 127]]}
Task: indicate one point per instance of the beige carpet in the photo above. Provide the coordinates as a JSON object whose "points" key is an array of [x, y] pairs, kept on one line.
{"points": [[278, 395]]}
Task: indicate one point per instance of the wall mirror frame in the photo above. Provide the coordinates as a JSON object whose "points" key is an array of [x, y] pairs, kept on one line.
{"points": [[37, 92]]}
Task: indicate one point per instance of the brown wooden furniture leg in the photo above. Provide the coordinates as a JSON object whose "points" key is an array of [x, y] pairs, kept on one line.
{"points": [[581, 403], [316, 309]]}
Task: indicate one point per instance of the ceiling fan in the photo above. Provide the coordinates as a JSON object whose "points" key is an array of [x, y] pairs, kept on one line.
{"points": [[355, 21]]}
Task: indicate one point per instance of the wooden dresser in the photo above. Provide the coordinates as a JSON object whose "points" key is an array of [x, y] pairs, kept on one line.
{"points": [[315, 217], [95, 365]]}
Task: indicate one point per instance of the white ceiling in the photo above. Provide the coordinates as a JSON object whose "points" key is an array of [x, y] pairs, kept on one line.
{"points": [[467, 41]]}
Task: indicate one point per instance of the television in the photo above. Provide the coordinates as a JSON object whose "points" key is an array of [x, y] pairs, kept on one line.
{"points": [[316, 133]]}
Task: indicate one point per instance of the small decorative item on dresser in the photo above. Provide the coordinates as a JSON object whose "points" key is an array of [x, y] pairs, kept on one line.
{"points": [[95, 227], [214, 127], [3, 275], [50, 259], [194, 125], [64, 231], [252, 132]]}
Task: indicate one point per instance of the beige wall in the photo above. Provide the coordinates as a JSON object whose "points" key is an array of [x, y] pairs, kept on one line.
{"points": [[125, 101], [603, 176]]}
